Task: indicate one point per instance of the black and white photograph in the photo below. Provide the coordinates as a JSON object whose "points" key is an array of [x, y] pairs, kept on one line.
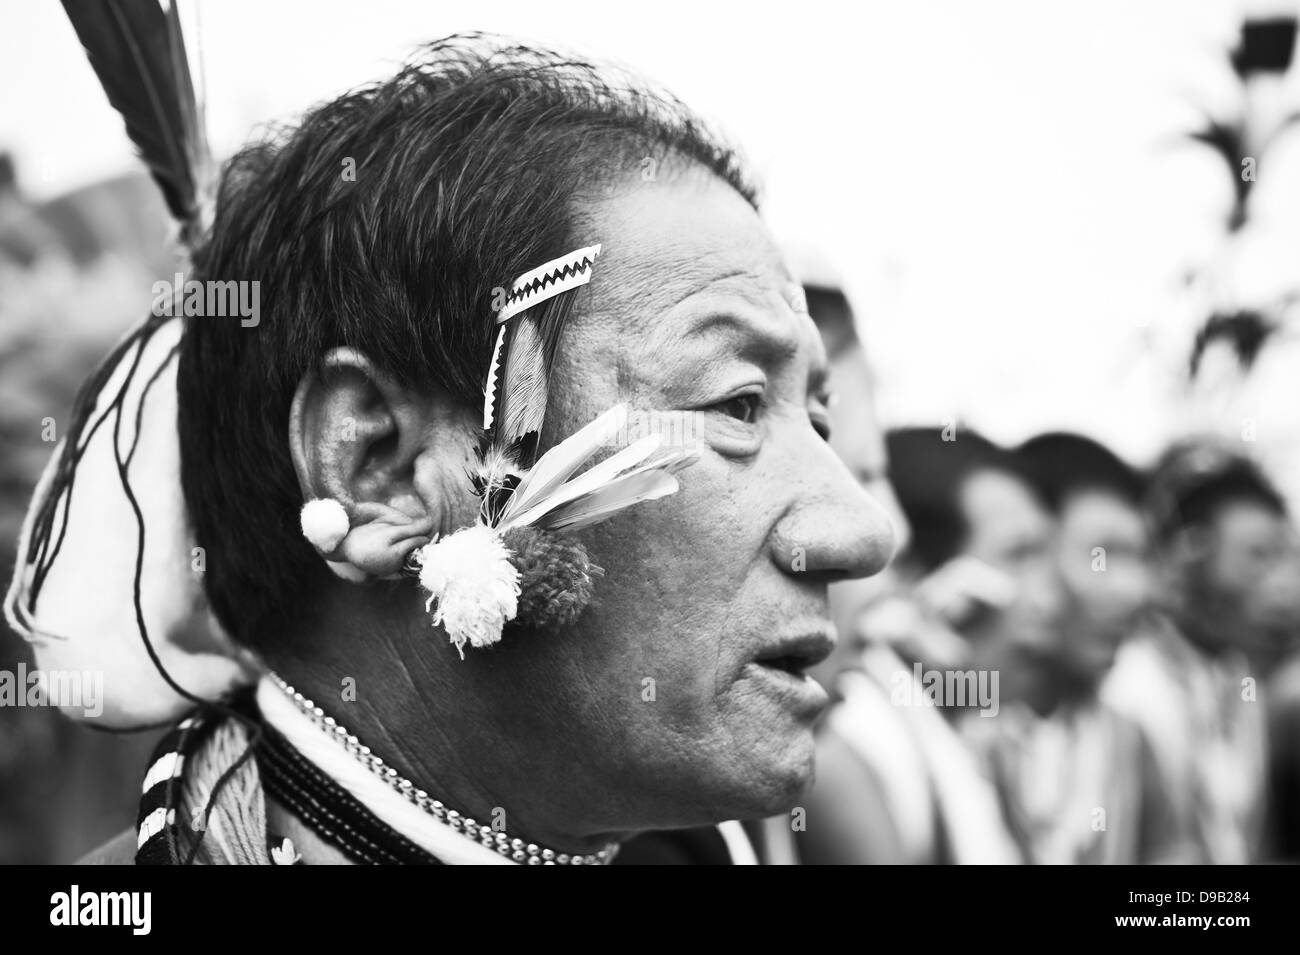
{"points": [[652, 434]]}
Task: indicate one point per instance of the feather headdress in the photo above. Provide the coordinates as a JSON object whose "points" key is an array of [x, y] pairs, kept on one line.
{"points": [[137, 50], [92, 587]]}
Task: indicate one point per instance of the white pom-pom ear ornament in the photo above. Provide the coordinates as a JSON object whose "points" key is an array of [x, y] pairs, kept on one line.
{"points": [[374, 541], [325, 524]]}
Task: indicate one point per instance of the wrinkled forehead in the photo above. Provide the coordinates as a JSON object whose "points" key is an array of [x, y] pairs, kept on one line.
{"points": [[685, 245]]}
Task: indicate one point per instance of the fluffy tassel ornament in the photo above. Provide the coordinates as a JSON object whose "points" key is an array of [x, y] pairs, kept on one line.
{"points": [[556, 577], [475, 587]]}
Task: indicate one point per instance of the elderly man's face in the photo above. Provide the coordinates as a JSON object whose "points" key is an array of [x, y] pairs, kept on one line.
{"points": [[684, 685]]}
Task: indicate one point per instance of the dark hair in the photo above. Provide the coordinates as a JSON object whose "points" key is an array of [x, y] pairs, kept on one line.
{"points": [[1194, 480], [1066, 463], [469, 167], [928, 474]]}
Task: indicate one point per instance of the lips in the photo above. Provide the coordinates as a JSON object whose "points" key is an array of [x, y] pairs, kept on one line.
{"points": [[796, 654], [780, 672]]}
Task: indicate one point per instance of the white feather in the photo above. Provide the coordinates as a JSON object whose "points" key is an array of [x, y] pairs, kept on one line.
{"points": [[556, 465], [606, 501], [522, 404], [590, 480], [587, 499]]}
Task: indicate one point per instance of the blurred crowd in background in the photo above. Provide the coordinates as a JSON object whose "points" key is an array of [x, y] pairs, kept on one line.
{"points": [[1074, 658], [1071, 660]]}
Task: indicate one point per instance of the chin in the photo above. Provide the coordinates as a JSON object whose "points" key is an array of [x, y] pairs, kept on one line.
{"points": [[758, 760], [775, 777]]}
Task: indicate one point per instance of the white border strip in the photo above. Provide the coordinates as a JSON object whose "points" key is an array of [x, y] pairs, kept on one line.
{"points": [[168, 765]]}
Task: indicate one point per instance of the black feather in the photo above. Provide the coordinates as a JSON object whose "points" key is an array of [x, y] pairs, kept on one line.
{"points": [[138, 52]]}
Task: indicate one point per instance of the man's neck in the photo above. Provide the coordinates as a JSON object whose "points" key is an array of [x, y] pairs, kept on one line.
{"points": [[461, 759]]}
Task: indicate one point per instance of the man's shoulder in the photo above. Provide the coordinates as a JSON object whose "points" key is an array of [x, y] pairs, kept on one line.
{"points": [[120, 850]]}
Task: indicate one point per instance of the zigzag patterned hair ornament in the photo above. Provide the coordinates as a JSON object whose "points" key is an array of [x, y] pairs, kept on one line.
{"points": [[514, 398], [548, 280]]}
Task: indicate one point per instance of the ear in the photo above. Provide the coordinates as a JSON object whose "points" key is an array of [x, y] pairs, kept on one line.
{"points": [[356, 436]]}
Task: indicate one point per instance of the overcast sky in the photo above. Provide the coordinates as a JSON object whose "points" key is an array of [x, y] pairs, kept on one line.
{"points": [[993, 181]]}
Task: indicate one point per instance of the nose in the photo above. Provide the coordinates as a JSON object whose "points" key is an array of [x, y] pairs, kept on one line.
{"points": [[832, 529]]}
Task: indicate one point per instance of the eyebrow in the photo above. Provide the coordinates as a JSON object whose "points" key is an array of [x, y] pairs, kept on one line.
{"points": [[769, 344], [766, 345]]}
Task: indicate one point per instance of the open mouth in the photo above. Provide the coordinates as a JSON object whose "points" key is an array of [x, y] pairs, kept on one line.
{"points": [[794, 665], [781, 669], [796, 655]]}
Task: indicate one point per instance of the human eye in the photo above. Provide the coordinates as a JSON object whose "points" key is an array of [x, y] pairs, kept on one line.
{"points": [[734, 422], [743, 408]]}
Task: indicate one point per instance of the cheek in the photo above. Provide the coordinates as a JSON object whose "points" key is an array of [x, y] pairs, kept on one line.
{"points": [[676, 596]]}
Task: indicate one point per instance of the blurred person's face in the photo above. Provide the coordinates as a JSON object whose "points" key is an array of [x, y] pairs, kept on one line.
{"points": [[1010, 530], [1243, 592], [1101, 553]]}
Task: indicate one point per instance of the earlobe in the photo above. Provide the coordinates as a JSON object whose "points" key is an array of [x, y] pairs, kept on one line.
{"points": [[354, 468]]}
